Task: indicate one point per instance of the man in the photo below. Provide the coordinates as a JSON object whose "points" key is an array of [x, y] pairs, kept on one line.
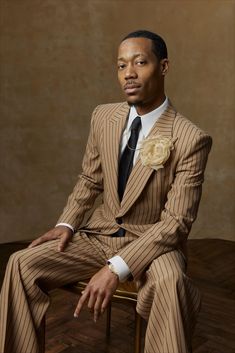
{"points": [[148, 162]]}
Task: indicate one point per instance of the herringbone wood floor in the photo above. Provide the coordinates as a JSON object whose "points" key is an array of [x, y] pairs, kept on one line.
{"points": [[211, 265]]}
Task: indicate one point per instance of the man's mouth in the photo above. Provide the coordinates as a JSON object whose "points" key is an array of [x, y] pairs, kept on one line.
{"points": [[131, 88]]}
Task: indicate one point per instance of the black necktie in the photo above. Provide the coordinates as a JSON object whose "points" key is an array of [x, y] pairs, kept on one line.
{"points": [[126, 161]]}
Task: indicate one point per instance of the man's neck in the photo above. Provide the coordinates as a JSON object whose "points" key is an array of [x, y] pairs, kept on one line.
{"points": [[146, 108]]}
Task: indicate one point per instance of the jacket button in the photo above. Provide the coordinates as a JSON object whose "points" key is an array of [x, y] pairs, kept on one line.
{"points": [[119, 220]]}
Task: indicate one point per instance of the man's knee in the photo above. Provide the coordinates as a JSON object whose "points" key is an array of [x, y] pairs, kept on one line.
{"points": [[165, 277], [23, 261], [169, 268], [173, 276], [16, 258], [170, 281]]}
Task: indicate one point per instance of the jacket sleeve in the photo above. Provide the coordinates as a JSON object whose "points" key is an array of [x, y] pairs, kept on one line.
{"points": [[180, 210], [89, 184]]}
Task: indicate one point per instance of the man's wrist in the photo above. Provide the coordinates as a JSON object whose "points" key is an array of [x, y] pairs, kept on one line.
{"points": [[119, 267], [65, 225], [113, 270]]}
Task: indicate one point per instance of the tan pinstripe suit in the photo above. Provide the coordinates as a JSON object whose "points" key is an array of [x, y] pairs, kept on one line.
{"points": [[157, 210]]}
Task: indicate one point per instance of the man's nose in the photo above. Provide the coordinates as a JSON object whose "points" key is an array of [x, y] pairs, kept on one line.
{"points": [[130, 72]]}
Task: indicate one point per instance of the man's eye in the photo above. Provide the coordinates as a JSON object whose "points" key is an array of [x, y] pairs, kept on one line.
{"points": [[141, 62], [121, 66]]}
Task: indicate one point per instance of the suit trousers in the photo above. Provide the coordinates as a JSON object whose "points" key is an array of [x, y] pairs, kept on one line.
{"points": [[167, 298]]}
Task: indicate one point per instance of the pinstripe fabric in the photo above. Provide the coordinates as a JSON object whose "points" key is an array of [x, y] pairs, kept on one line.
{"points": [[170, 302], [157, 210], [157, 207], [31, 273]]}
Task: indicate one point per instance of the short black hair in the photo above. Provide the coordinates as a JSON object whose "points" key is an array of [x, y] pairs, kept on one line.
{"points": [[159, 45]]}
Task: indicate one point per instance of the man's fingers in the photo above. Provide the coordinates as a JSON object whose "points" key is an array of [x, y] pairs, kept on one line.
{"points": [[98, 292], [105, 304], [91, 302], [35, 242], [64, 240], [97, 307], [94, 304], [81, 302], [42, 239], [58, 232]]}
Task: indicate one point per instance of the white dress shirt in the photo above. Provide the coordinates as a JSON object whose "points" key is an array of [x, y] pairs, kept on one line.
{"points": [[147, 122]]}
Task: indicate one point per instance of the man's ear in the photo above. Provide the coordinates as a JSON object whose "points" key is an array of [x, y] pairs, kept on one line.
{"points": [[164, 66]]}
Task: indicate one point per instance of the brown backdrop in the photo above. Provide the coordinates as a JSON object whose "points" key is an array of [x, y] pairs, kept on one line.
{"points": [[58, 62]]}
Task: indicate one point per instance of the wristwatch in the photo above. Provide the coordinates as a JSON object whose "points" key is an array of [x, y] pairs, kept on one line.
{"points": [[112, 269]]}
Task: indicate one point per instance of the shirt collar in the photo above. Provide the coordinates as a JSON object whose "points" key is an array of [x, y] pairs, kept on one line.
{"points": [[149, 119]]}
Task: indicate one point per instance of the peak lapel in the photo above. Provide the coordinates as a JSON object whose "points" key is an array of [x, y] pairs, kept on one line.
{"points": [[112, 140], [140, 174]]}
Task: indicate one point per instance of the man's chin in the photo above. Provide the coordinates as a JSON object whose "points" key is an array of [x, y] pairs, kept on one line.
{"points": [[132, 100]]}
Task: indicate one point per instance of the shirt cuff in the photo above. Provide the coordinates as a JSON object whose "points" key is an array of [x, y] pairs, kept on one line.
{"points": [[65, 225], [121, 267]]}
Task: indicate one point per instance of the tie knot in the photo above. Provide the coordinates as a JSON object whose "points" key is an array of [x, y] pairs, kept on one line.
{"points": [[136, 124]]}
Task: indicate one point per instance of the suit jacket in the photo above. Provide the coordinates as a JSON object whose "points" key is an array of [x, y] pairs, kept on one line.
{"points": [[158, 207]]}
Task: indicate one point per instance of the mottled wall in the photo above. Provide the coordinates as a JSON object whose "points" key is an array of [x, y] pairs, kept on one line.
{"points": [[57, 62]]}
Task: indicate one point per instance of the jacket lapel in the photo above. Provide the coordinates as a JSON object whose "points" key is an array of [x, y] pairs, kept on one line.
{"points": [[140, 174], [113, 134]]}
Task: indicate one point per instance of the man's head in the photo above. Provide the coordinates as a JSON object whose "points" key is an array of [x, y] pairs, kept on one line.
{"points": [[142, 65], [158, 44]]}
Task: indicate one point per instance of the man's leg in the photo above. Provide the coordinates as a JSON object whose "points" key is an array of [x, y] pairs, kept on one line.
{"points": [[29, 275], [170, 302]]}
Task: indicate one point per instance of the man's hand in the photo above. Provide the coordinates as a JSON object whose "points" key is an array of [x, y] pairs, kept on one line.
{"points": [[61, 232], [98, 292]]}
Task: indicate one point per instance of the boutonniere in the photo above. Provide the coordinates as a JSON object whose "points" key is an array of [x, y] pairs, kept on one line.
{"points": [[155, 151]]}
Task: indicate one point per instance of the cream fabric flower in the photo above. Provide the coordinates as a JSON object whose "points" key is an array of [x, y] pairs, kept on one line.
{"points": [[155, 151]]}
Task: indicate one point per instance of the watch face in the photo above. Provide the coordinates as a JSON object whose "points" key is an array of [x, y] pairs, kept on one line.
{"points": [[112, 269]]}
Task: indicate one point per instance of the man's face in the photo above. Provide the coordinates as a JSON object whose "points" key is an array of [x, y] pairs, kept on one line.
{"points": [[140, 74]]}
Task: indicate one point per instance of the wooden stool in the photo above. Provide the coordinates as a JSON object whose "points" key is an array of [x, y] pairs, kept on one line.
{"points": [[125, 293]]}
